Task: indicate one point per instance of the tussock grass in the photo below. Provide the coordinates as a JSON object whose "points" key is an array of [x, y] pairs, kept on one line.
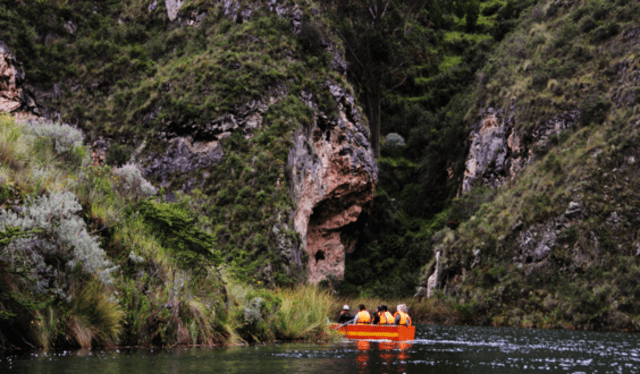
{"points": [[303, 314], [14, 148], [93, 318]]}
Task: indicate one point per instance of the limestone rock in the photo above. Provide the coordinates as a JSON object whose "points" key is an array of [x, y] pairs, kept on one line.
{"points": [[173, 6], [332, 173], [183, 155], [13, 97], [333, 181], [573, 210], [535, 243], [495, 152], [99, 151], [498, 152]]}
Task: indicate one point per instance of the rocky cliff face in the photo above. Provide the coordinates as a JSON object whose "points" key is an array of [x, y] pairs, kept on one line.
{"points": [[332, 174], [13, 96], [498, 150], [555, 247], [333, 182], [330, 171], [269, 180]]}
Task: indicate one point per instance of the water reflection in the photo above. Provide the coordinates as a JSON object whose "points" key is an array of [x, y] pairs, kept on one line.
{"points": [[382, 356], [363, 355]]}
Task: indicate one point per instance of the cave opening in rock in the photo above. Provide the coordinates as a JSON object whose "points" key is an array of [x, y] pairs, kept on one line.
{"points": [[319, 255]]}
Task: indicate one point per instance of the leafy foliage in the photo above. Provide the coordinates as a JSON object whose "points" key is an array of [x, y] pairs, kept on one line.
{"points": [[177, 230], [130, 183]]}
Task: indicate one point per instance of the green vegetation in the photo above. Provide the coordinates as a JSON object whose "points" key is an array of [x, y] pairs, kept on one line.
{"points": [[201, 261], [168, 286], [418, 180], [558, 59], [536, 60], [143, 77]]}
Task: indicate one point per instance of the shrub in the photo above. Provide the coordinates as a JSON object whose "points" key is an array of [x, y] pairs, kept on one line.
{"points": [[310, 38], [64, 137], [129, 183], [594, 110], [117, 155], [393, 140], [13, 148], [175, 227], [94, 318], [605, 32], [56, 216], [587, 25], [302, 314]]}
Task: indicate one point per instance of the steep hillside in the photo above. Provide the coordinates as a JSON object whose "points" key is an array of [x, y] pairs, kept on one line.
{"points": [[228, 157], [544, 234], [241, 103], [423, 127]]}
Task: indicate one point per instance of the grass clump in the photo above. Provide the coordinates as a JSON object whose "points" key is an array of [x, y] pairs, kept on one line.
{"points": [[303, 314]]}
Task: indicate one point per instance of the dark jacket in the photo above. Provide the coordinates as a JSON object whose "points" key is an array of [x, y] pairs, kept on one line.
{"points": [[376, 318], [345, 317]]}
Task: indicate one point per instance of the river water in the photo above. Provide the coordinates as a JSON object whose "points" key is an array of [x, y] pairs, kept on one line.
{"points": [[437, 349]]}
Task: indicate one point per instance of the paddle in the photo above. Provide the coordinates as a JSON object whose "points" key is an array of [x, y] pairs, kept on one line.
{"points": [[346, 323]]}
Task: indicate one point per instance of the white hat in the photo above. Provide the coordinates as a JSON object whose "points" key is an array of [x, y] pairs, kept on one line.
{"points": [[345, 307]]}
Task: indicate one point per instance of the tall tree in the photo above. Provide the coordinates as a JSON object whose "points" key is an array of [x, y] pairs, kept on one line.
{"points": [[380, 44]]}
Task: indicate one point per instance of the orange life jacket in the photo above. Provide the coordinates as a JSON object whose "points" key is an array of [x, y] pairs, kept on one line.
{"points": [[405, 319], [385, 318], [364, 317]]}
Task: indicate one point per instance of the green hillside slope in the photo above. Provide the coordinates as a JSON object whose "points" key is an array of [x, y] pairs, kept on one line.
{"points": [[557, 245], [198, 261]]}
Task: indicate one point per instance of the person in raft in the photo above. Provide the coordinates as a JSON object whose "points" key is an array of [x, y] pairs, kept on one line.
{"points": [[398, 308], [363, 317], [384, 317], [345, 316], [376, 316], [402, 318]]}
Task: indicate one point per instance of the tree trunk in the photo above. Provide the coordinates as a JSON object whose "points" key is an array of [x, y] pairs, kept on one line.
{"points": [[374, 121]]}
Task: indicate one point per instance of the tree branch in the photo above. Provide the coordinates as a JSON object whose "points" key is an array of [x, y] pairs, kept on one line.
{"points": [[385, 9], [349, 46], [399, 84]]}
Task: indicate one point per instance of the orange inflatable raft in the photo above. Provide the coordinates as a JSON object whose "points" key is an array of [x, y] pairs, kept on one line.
{"points": [[376, 332]]}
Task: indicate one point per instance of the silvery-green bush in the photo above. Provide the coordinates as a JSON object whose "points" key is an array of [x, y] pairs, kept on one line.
{"points": [[63, 137], [393, 140], [130, 183], [56, 216], [135, 258]]}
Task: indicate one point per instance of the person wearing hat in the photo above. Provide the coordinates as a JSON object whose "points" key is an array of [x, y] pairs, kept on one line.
{"points": [[402, 318], [345, 316]]}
